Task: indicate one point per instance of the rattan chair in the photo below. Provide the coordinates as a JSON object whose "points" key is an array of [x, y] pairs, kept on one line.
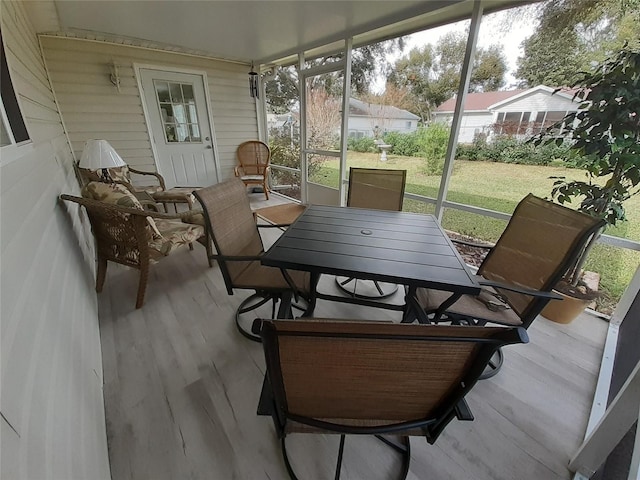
{"points": [[125, 235], [373, 378], [378, 189], [253, 164], [158, 192], [235, 235], [538, 246]]}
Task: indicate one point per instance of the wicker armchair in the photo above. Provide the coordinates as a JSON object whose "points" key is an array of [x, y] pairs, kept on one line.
{"points": [[159, 192], [372, 378], [232, 227], [540, 243], [135, 237], [379, 189], [253, 164]]}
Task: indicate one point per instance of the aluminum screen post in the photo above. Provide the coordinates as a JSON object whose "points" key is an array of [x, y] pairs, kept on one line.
{"points": [[465, 76]]}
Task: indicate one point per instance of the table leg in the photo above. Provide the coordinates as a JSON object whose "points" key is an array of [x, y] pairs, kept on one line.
{"points": [[313, 294], [413, 309], [284, 310]]}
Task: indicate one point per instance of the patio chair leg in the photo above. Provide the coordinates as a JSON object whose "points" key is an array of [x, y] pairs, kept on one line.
{"points": [[101, 274], [246, 306], [142, 284], [494, 365], [340, 453], [404, 448]]}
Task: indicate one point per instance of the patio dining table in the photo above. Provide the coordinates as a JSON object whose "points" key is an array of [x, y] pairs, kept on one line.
{"points": [[398, 247]]}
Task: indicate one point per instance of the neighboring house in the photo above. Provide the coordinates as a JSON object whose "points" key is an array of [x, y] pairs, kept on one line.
{"points": [[365, 119], [515, 112], [371, 120], [283, 120]]}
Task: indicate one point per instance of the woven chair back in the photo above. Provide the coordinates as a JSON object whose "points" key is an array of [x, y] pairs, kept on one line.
{"points": [[254, 157], [541, 242], [120, 237], [365, 373], [231, 224], [376, 188]]}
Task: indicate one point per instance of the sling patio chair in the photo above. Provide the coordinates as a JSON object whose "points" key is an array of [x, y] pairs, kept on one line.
{"points": [[127, 234], [235, 235], [379, 189], [253, 164], [280, 215], [372, 378], [539, 245]]}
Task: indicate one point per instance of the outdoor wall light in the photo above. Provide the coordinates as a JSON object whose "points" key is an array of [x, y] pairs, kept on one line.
{"points": [[253, 83]]}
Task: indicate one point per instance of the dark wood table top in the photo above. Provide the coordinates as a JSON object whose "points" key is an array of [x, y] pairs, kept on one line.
{"points": [[397, 247]]}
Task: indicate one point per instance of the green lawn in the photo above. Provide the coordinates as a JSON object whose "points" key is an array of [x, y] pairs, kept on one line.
{"points": [[500, 186]]}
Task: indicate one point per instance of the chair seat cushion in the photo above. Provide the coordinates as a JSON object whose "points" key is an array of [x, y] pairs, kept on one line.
{"points": [[174, 233], [284, 214], [260, 277], [470, 306], [257, 178]]}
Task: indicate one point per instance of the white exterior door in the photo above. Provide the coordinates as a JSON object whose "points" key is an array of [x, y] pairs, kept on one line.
{"points": [[177, 114]]}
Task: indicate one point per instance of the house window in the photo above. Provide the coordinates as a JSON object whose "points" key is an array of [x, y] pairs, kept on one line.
{"points": [[409, 125], [553, 117], [13, 130]]}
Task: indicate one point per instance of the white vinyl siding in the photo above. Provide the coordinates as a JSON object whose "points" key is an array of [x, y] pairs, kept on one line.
{"points": [[92, 107], [53, 423], [471, 123], [538, 102]]}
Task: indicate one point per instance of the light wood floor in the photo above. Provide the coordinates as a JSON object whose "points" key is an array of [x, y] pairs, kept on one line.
{"points": [[182, 386]]}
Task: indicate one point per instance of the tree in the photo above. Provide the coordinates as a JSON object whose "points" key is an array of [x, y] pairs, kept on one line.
{"points": [[572, 35], [366, 62], [323, 115], [432, 72], [605, 132]]}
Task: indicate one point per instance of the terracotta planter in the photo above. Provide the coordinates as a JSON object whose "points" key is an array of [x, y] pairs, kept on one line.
{"points": [[565, 310]]}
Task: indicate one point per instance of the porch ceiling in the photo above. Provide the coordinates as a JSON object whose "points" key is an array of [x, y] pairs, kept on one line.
{"points": [[262, 31]]}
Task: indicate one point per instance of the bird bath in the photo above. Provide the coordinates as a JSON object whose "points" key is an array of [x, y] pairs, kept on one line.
{"points": [[383, 149]]}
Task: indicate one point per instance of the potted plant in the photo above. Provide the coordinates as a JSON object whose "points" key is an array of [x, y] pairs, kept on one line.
{"points": [[605, 135]]}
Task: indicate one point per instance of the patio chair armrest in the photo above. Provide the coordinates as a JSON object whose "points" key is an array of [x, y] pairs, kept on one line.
{"points": [[518, 289], [472, 244], [88, 202], [237, 171], [273, 225], [155, 174], [235, 258], [176, 216]]}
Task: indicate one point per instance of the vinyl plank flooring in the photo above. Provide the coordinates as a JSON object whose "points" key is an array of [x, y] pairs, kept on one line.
{"points": [[182, 387]]}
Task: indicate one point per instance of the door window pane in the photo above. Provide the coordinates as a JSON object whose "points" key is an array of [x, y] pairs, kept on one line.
{"points": [[176, 92], [187, 91], [162, 88], [178, 111]]}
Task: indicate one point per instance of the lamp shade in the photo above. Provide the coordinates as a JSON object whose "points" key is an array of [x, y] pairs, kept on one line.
{"points": [[99, 154]]}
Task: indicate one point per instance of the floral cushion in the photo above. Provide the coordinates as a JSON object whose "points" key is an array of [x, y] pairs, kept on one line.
{"points": [[116, 194], [174, 233], [115, 174]]}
